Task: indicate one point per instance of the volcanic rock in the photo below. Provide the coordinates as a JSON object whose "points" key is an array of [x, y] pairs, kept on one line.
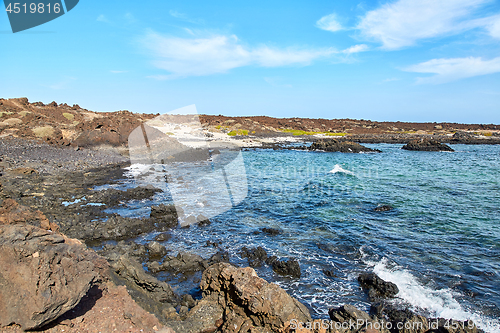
{"points": [[340, 146], [377, 287], [237, 300], [44, 274], [426, 145]]}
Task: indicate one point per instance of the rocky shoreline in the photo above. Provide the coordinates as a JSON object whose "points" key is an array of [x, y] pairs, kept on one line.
{"points": [[62, 216], [85, 270]]}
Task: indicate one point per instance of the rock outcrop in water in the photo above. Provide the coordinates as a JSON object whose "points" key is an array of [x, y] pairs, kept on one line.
{"points": [[376, 287], [237, 300], [426, 145], [341, 146]]}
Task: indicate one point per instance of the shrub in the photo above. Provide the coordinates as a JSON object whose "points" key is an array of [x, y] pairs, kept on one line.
{"points": [[69, 116]]}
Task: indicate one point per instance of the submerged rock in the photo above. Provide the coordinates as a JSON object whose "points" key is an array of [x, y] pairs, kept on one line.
{"points": [[426, 145], [376, 287], [256, 256], [341, 146], [288, 267], [383, 208]]}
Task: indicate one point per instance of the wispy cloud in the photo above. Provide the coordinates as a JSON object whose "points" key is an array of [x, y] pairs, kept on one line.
{"points": [[391, 79], [184, 17], [183, 57], [453, 69], [102, 18], [356, 49], [329, 23], [404, 22]]}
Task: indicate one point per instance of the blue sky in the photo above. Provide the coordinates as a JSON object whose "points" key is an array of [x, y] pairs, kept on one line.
{"points": [[407, 60]]}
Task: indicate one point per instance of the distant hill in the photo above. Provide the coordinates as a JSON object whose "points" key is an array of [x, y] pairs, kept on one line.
{"points": [[61, 124]]}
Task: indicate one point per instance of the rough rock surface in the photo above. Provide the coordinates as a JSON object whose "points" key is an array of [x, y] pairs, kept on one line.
{"points": [[105, 308], [237, 300], [12, 212], [165, 214], [256, 256], [44, 274], [340, 146], [376, 287], [153, 295], [426, 145], [288, 267]]}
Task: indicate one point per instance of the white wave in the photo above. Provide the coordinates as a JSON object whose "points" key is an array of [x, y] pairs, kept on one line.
{"points": [[439, 303], [337, 168], [137, 169]]}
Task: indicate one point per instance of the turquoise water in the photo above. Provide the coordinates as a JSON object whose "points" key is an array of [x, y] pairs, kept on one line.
{"points": [[440, 244]]}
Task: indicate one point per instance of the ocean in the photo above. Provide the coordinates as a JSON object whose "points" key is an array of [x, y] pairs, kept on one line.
{"points": [[440, 244]]}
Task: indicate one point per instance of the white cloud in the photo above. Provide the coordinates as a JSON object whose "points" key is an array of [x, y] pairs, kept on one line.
{"points": [[493, 26], [329, 23], [356, 49], [453, 69], [184, 57], [102, 18], [404, 22]]}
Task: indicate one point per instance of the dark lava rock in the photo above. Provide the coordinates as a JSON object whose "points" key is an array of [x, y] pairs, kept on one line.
{"points": [[118, 227], [341, 146], [203, 221], [165, 214], [220, 256], [113, 197], [256, 256], [347, 313], [329, 272], [156, 250], [43, 275], [288, 267], [113, 252], [163, 237], [383, 208], [377, 287], [272, 231], [184, 263], [426, 145], [153, 295], [462, 137]]}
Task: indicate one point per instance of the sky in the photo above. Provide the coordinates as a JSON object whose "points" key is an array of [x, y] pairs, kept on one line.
{"points": [[399, 60]]}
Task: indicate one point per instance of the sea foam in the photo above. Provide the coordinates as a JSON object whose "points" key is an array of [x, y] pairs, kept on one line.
{"points": [[338, 169], [439, 303]]}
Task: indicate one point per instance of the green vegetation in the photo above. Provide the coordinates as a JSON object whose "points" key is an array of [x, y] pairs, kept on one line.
{"points": [[238, 132], [24, 113], [6, 113], [69, 116], [44, 131]]}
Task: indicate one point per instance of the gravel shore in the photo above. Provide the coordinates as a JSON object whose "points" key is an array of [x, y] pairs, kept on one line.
{"points": [[45, 158]]}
